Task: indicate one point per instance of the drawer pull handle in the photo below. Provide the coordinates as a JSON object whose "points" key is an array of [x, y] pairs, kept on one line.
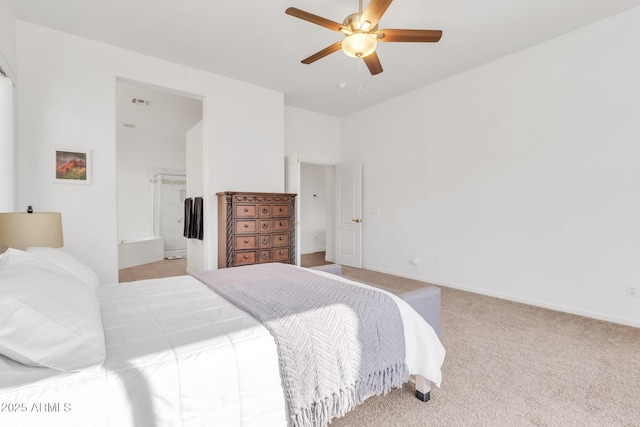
{"points": [[264, 256], [265, 240], [246, 241], [246, 257], [265, 226], [280, 238], [246, 209], [246, 226], [280, 253], [281, 209], [265, 211]]}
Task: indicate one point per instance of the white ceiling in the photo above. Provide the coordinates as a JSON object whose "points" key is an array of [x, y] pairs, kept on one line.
{"points": [[162, 113], [254, 41]]}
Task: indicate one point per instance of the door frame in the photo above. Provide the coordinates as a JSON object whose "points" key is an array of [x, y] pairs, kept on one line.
{"points": [[293, 185]]}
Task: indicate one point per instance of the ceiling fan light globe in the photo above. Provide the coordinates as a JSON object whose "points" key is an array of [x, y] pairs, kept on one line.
{"points": [[359, 45]]}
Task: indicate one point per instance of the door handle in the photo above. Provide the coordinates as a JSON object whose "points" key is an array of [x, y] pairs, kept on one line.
{"points": [[356, 220]]}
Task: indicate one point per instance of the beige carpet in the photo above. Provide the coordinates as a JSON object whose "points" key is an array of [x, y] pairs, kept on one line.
{"points": [[510, 364]]}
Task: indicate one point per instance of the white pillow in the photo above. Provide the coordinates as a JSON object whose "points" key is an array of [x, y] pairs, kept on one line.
{"points": [[68, 262], [48, 318]]}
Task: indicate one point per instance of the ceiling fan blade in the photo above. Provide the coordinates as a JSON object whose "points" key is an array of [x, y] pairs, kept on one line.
{"points": [[374, 11], [314, 19], [389, 35], [324, 52], [373, 63]]}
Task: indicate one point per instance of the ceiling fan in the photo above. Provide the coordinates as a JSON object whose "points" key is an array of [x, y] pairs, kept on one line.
{"points": [[362, 34]]}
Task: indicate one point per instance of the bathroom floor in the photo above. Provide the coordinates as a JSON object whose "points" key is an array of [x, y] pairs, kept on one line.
{"points": [[154, 270]]}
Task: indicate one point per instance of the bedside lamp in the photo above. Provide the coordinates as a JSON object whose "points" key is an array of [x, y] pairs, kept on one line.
{"points": [[24, 230]]}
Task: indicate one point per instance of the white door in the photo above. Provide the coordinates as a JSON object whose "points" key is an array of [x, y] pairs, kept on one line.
{"points": [[292, 185], [349, 214]]}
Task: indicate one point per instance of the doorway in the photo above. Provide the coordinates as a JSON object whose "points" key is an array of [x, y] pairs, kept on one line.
{"points": [[151, 145], [316, 203], [343, 210]]}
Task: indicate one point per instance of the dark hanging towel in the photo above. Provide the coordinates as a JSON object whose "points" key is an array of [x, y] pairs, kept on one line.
{"points": [[188, 203], [192, 221], [197, 223]]}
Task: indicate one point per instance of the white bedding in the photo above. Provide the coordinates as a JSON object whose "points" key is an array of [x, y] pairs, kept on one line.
{"points": [[177, 354]]}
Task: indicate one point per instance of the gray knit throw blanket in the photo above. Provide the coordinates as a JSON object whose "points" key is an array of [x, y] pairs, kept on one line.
{"points": [[338, 343]]}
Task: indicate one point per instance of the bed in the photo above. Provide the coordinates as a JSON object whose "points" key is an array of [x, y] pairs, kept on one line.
{"points": [[174, 351]]}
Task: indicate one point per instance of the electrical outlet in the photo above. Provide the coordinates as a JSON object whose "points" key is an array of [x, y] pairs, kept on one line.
{"points": [[632, 291]]}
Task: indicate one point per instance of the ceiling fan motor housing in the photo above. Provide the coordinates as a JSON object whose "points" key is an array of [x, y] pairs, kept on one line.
{"points": [[359, 42], [354, 23]]}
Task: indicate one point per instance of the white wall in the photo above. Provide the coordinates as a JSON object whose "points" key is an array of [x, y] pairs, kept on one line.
{"points": [[312, 202], [8, 171], [315, 136], [7, 146], [136, 156], [8, 39], [196, 254], [517, 179], [67, 97]]}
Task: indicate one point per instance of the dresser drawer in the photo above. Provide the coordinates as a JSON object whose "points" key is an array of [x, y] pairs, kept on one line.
{"points": [[281, 210], [265, 241], [246, 211], [245, 257], [265, 256], [281, 224], [280, 239], [246, 242], [245, 226], [265, 211], [265, 226], [280, 254]]}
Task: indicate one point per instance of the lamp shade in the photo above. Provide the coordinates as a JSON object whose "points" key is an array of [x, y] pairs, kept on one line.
{"points": [[359, 45], [24, 230]]}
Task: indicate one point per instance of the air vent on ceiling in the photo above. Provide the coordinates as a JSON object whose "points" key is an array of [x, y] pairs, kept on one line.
{"points": [[139, 101]]}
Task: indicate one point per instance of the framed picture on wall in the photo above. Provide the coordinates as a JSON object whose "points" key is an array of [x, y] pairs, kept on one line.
{"points": [[72, 165]]}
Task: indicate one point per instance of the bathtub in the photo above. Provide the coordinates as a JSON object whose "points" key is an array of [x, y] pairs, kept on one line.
{"points": [[140, 251]]}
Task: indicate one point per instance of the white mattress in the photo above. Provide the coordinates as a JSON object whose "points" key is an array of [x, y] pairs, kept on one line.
{"points": [[178, 354]]}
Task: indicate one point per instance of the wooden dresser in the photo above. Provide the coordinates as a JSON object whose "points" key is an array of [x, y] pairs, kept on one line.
{"points": [[255, 228]]}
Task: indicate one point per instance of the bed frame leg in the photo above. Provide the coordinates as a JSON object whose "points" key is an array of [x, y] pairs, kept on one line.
{"points": [[423, 388]]}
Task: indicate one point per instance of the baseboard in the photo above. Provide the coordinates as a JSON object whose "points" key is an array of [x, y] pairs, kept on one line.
{"points": [[311, 251], [514, 298]]}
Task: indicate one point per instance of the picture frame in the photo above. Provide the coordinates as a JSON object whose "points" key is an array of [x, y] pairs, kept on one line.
{"points": [[71, 165]]}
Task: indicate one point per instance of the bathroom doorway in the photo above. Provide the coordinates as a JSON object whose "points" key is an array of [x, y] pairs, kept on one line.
{"points": [[151, 133]]}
